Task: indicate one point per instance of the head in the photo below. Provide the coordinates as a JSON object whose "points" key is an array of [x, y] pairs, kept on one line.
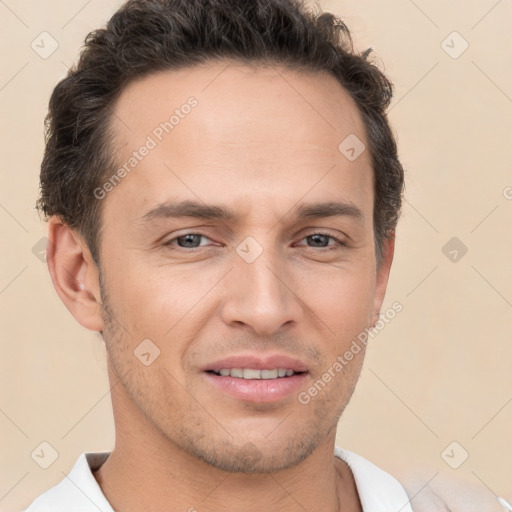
{"points": [[221, 180]]}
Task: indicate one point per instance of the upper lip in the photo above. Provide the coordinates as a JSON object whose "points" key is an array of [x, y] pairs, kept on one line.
{"points": [[258, 362]]}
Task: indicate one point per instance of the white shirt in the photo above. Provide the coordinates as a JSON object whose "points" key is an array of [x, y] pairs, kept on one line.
{"points": [[79, 492]]}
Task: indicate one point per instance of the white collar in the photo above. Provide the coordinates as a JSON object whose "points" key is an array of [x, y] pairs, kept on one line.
{"points": [[78, 491], [378, 491]]}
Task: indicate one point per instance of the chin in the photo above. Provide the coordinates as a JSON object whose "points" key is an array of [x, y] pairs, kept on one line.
{"points": [[254, 457]]}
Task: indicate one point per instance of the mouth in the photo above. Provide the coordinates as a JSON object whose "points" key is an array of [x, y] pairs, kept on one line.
{"points": [[257, 378], [254, 373]]}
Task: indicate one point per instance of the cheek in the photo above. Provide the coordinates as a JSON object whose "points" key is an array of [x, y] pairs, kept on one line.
{"points": [[342, 298], [160, 302]]}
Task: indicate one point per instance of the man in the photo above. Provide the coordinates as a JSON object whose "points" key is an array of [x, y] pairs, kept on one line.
{"points": [[222, 189]]}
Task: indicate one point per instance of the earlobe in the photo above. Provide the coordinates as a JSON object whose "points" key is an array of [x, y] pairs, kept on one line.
{"points": [[74, 274], [383, 270]]}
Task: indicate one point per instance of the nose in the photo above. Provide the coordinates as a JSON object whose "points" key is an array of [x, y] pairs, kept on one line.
{"points": [[260, 296]]}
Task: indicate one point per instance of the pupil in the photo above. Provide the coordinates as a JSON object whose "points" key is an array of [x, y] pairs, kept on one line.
{"points": [[317, 237]]}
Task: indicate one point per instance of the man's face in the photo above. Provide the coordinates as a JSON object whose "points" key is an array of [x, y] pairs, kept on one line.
{"points": [[265, 289]]}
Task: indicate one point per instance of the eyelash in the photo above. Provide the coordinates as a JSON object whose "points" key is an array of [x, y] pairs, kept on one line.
{"points": [[338, 244]]}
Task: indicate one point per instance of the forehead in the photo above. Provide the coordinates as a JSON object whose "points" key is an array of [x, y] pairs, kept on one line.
{"points": [[232, 96], [210, 126]]}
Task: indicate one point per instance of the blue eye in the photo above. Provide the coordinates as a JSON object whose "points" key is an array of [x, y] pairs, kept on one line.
{"points": [[190, 240], [321, 241]]}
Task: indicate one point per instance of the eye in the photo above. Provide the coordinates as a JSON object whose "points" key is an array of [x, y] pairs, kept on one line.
{"points": [[321, 240], [187, 241]]}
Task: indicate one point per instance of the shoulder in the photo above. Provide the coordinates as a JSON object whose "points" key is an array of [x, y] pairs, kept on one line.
{"points": [[435, 490], [419, 489]]}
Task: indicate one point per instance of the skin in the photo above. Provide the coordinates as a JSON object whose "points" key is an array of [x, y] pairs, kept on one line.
{"points": [[260, 141]]}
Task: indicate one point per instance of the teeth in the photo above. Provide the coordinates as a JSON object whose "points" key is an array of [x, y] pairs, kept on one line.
{"points": [[250, 373]]}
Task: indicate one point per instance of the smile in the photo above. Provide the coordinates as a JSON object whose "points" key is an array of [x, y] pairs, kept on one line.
{"points": [[251, 373]]}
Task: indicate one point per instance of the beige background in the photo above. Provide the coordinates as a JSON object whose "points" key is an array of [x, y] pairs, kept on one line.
{"points": [[439, 372]]}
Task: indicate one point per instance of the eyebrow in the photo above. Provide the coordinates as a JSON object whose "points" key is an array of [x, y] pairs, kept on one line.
{"points": [[198, 210]]}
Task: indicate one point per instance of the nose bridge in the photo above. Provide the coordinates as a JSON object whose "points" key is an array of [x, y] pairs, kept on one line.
{"points": [[259, 292], [259, 267]]}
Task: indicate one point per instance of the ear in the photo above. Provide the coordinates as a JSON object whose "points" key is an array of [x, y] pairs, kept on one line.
{"points": [[383, 269], [74, 274]]}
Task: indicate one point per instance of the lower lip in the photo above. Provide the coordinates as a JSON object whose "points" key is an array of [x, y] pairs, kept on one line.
{"points": [[258, 390]]}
